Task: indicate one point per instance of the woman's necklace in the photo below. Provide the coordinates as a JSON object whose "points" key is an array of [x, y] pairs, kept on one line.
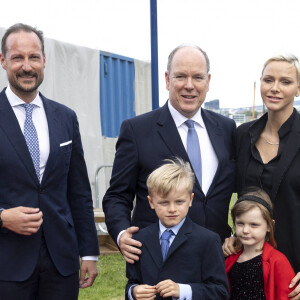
{"points": [[267, 129], [270, 143]]}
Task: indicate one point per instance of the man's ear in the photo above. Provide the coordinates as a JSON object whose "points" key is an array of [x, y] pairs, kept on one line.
{"points": [[44, 58], [167, 78], [3, 62]]}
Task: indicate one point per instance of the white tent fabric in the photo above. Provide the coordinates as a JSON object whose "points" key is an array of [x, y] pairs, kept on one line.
{"points": [[72, 77]]}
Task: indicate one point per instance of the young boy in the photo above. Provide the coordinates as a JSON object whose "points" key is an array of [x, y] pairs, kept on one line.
{"points": [[193, 267]]}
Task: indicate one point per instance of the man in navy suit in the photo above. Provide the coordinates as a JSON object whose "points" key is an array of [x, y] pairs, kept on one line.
{"points": [[146, 140], [46, 211], [179, 259]]}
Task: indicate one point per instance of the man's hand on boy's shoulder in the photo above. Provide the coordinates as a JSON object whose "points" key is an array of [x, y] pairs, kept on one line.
{"points": [[128, 245], [228, 246], [144, 291], [168, 288]]}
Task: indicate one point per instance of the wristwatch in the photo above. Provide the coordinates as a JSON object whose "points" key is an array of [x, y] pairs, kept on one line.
{"points": [[1, 210]]}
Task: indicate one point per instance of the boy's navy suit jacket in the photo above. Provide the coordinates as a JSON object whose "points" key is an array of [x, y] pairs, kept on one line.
{"points": [[195, 257]]}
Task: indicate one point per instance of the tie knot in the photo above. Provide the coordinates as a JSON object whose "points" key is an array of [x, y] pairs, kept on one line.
{"points": [[190, 123], [166, 235], [28, 107]]}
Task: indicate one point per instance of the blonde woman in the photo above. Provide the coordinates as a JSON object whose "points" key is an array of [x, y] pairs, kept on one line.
{"points": [[268, 155]]}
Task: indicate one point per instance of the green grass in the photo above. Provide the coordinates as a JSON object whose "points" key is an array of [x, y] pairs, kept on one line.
{"points": [[110, 282], [232, 201]]}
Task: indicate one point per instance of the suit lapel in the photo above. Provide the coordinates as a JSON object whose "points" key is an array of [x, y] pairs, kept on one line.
{"points": [[215, 135], [54, 128], [290, 150], [11, 127], [168, 132], [153, 245]]}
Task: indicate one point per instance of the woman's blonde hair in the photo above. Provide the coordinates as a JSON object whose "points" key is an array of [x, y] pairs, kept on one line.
{"points": [[290, 58], [251, 198]]}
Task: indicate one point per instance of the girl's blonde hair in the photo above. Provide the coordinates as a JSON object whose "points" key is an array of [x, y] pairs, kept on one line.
{"points": [[251, 198]]}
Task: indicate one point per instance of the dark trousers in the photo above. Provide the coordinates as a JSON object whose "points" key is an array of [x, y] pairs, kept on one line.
{"points": [[45, 283]]}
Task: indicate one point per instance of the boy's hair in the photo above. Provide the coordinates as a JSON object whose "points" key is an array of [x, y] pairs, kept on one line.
{"points": [[169, 176], [266, 210]]}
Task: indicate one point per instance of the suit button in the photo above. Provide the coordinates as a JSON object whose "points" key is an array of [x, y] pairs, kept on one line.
{"points": [[42, 191]]}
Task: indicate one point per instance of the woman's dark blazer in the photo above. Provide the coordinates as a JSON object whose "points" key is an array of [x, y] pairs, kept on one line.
{"points": [[285, 193]]}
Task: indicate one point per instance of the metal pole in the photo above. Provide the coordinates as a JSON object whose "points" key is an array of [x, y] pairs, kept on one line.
{"points": [[253, 108], [154, 54]]}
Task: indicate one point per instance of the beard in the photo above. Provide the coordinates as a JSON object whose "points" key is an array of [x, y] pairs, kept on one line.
{"points": [[24, 88]]}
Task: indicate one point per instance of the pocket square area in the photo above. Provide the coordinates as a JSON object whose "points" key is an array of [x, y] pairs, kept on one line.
{"points": [[65, 143]]}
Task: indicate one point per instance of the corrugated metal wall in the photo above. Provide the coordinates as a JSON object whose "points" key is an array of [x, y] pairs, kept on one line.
{"points": [[116, 92]]}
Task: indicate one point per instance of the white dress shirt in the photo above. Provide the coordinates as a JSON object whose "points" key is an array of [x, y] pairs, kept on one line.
{"points": [[41, 125], [208, 155]]}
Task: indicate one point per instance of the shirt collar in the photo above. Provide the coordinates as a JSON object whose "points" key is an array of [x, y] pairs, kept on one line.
{"points": [[14, 100], [179, 119], [175, 228]]}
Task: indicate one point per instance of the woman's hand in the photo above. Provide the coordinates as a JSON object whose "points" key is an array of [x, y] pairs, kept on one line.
{"points": [[295, 294]]}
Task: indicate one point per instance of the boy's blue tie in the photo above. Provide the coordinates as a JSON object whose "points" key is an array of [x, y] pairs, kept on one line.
{"points": [[165, 243], [31, 138], [193, 150]]}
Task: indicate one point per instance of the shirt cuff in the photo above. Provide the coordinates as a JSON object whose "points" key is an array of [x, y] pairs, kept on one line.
{"points": [[118, 238], [130, 296], [94, 258], [185, 292]]}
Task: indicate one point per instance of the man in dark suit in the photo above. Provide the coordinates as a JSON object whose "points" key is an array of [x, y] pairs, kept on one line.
{"points": [[46, 211], [146, 140], [179, 258]]}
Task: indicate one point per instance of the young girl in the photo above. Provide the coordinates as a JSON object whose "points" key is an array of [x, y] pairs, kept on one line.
{"points": [[257, 271]]}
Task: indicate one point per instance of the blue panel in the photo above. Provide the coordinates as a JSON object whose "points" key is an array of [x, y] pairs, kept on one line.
{"points": [[116, 92]]}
